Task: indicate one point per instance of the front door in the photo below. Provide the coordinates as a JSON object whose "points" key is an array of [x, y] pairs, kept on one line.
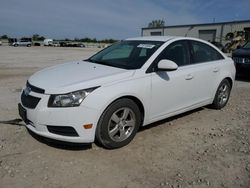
{"points": [[172, 90]]}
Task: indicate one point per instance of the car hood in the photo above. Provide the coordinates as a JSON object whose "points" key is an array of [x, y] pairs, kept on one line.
{"points": [[241, 53], [74, 76]]}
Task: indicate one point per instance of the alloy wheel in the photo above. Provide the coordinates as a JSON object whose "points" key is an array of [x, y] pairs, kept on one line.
{"points": [[223, 94], [121, 124]]}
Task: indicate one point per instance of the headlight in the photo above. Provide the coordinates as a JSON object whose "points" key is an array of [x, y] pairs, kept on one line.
{"points": [[70, 99]]}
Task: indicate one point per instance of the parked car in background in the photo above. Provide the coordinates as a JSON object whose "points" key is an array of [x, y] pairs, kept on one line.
{"points": [[11, 41], [56, 44], [37, 44], [63, 44], [129, 84], [241, 57], [22, 42], [72, 44], [80, 45]]}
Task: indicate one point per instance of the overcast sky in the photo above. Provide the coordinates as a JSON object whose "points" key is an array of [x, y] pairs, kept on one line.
{"points": [[110, 18]]}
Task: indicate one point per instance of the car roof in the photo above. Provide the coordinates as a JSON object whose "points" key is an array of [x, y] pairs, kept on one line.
{"points": [[165, 38], [154, 38]]}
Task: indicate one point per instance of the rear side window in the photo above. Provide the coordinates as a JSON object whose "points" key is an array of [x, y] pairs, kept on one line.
{"points": [[202, 52]]}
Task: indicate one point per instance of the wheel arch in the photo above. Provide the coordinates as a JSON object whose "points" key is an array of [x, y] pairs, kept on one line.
{"points": [[137, 102], [216, 104], [230, 81], [135, 99], [218, 82]]}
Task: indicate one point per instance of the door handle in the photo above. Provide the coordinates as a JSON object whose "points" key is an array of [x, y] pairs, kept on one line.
{"points": [[189, 77], [216, 69]]}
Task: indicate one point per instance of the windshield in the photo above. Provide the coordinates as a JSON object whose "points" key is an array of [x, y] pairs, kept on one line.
{"points": [[247, 45], [126, 54]]}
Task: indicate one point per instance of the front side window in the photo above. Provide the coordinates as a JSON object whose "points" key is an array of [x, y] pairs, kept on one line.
{"points": [[177, 52], [126, 54], [204, 53]]}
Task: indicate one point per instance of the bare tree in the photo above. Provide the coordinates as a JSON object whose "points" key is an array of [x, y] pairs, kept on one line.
{"points": [[156, 24]]}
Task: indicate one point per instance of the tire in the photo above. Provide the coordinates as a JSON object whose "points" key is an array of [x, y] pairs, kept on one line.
{"points": [[222, 95], [118, 124], [15, 45], [28, 45]]}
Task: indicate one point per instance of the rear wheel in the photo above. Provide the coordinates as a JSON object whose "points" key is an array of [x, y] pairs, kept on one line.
{"points": [[118, 124], [222, 95]]}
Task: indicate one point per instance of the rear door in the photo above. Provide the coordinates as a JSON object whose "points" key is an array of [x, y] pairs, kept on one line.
{"points": [[206, 66]]}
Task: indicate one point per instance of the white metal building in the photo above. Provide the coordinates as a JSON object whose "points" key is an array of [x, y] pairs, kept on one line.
{"points": [[209, 31]]}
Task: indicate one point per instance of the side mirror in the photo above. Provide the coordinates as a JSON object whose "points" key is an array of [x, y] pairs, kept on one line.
{"points": [[167, 65]]}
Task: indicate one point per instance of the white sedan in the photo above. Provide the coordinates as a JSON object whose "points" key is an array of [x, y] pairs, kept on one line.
{"points": [[132, 83]]}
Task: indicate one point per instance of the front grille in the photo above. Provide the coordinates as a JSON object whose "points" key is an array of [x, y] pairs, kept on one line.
{"points": [[241, 59], [29, 101], [62, 130], [34, 88]]}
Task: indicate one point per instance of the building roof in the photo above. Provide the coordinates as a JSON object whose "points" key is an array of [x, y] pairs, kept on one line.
{"points": [[204, 24]]}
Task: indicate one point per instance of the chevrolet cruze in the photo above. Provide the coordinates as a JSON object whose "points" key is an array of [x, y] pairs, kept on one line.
{"points": [[132, 83]]}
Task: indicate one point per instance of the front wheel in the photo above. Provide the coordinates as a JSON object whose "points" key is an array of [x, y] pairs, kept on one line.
{"points": [[118, 124], [222, 95]]}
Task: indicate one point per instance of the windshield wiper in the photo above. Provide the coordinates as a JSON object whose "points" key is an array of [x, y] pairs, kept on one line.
{"points": [[98, 62], [89, 60], [105, 63]]}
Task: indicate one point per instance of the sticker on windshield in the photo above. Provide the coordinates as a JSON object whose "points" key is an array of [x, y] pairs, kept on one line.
{"points": [[148, 46]]}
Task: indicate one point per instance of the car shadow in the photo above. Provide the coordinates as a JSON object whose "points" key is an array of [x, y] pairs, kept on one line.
{"points": [[163, 75], [16, 121], [60, 144], [77, 146], [50, 142], [170, 119], [243, 78]]}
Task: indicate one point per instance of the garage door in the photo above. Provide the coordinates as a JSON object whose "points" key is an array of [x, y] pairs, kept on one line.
{"points": [[208, 35], [156, 33]]}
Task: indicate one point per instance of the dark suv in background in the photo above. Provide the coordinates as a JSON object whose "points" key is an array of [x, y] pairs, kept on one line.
{"points": [[241, 57]]}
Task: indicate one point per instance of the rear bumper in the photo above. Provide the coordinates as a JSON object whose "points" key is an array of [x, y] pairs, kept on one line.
{"points": [[41, 119]]}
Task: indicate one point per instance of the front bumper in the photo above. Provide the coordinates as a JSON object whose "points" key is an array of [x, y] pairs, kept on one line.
{"points": [[242, 65], [243, 69], [39, 119]]}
